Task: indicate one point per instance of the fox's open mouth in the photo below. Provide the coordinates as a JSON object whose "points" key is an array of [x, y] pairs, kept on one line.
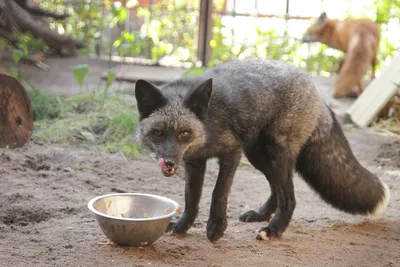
{"points": [[168, 172], [165, 170]]}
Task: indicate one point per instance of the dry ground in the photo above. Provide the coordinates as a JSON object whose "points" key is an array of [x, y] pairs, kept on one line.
{"points": [[44, 221]]}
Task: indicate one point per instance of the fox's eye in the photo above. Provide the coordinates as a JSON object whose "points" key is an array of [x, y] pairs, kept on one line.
{"points": [[158, 133], [183, 135]]}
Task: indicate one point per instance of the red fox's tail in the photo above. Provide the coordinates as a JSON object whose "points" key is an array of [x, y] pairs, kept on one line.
{"points": [[358, 59], [328, 165]]}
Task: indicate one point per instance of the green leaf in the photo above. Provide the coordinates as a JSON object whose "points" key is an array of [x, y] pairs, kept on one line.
{"points": [[129, 36], [14, 71], [110, 76], [122, 14], [17, 55], [117, 43], [80, 72], [124, 49], [143, 12]]}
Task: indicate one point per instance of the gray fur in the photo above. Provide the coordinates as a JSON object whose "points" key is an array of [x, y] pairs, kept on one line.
{"points": [[270, 110], [247, 92]]}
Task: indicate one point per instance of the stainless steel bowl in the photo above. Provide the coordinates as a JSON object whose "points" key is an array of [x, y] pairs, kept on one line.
{"points": [[133, 219]]}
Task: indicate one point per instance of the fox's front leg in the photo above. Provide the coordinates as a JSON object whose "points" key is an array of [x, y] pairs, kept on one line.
{"points": [[195, 170], [217, 221]]}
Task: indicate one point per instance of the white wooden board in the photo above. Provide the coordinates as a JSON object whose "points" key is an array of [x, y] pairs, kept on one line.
{"points": [[375, 97], [155, 74]]}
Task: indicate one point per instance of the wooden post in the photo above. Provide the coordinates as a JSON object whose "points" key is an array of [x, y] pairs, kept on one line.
{"points": [[205, 32]]}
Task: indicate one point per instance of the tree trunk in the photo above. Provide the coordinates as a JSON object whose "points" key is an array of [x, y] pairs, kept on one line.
{"points": [[22, 15]]}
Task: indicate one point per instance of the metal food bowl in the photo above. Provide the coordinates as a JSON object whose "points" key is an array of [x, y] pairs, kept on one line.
{"points": [[133, 219]]}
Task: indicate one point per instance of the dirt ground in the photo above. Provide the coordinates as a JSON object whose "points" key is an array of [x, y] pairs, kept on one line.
{"points": [[44, 220]]}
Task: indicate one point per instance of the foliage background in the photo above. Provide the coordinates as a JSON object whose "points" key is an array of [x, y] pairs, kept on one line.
{"points": [[165, 31]]}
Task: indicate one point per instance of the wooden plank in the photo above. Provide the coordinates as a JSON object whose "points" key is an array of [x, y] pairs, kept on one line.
{"points": [[376, 96], [205, 31], [156, 75], [396, 79], [372, 93]]}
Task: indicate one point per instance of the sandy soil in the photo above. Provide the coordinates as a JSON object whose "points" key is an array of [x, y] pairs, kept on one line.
{"points": [[44, 221]]}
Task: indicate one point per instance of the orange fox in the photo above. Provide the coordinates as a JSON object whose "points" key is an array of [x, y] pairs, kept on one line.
{"points": [[358, 38]]}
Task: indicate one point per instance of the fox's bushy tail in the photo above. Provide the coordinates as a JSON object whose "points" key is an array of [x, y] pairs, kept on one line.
{"points": [[355, 66], [329, 166]]}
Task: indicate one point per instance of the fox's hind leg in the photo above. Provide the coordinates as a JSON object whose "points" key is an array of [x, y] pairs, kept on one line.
{"points": [[373, 65], [265, 212], [340, 65], [277, 164]]}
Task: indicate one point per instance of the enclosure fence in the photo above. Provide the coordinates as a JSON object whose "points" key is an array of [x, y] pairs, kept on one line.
{"points": [[208, 32]]}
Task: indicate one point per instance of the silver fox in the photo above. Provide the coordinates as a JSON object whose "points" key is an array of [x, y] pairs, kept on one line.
{"points": [[273, 113]]}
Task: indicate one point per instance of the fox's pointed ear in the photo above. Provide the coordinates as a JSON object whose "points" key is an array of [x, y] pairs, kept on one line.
{"points": [[148, 97], [197, 100], [322, 18]]}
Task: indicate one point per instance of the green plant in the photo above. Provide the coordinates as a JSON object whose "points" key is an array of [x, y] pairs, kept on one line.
{"points": [[16, 56], [87, 118], [95, 117], [110, 79], [170, 32], [45, 106], [80, 72], [169, 29]]}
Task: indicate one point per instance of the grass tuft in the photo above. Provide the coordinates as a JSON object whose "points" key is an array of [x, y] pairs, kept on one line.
{"points": [[45, 106], [85, 119]]}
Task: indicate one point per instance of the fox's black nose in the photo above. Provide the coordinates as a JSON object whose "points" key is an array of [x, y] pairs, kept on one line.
{"points": [[169, 164]]}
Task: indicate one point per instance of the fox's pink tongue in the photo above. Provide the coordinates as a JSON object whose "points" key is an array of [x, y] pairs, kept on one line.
{"points": [[161, 163]]}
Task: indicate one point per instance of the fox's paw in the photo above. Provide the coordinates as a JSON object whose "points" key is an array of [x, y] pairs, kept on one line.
{"points": [[216, 228], [253, 216], [268, 233], [170, 227], [250, 216]]}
